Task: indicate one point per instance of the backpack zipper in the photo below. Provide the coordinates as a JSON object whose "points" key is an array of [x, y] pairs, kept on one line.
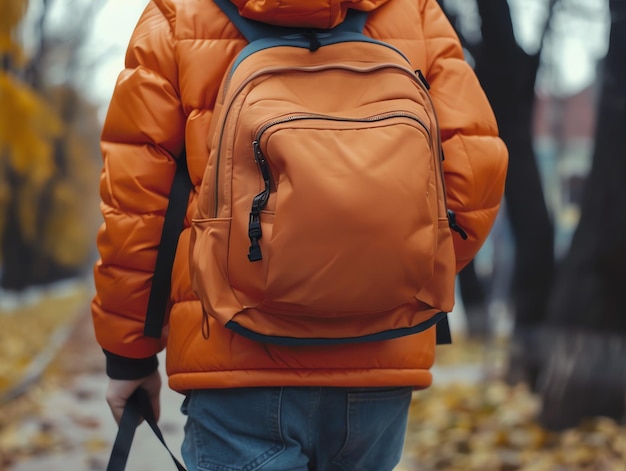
{"points": [[260, 200], [423, 83], [258, 203], [270, 70], [368, 119]]}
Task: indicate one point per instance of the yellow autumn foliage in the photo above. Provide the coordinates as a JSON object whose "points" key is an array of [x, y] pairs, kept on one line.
{"points": [[12, 13], [27, 129], [64, 236], [65, 228], [48, 156], [68, 232]]}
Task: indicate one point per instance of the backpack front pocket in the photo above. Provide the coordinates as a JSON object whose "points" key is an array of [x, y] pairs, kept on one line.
{"points": [[355, 212]]}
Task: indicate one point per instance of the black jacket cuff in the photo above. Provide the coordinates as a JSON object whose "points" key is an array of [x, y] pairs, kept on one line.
{"points": [[118, 367]]}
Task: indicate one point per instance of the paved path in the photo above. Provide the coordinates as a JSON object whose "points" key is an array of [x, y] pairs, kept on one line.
{"points": [[74, 428], [78, 430]]}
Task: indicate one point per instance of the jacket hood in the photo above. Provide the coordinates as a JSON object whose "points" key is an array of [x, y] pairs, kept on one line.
{"points": [[303, 13]]}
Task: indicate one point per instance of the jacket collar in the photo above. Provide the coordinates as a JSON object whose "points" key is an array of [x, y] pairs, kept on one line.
{"points": [[321, 14]]}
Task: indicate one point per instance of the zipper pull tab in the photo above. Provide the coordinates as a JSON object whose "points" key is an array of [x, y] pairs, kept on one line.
{"points": [[454, 226], [259, 158], [423, 79], [314, 42], [258, 203], [255, 232]]}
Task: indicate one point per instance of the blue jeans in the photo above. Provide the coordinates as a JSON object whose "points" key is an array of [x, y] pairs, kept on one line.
{"points": [[295, 429]]}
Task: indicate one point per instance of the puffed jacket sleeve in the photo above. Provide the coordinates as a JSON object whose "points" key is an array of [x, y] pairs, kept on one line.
{"points": [[475, 158], [142, 136]]}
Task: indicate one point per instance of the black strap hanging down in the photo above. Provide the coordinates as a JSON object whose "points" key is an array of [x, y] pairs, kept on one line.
{"points": [[137, 407], [442, 329], [172, 227]]}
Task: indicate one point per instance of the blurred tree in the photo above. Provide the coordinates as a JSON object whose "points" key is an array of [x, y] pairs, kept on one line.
{"points": [[585, 374], [569, 340], [48, 157], [508, 75]]}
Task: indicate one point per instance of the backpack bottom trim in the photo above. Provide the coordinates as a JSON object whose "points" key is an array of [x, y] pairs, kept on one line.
{"points": [[440, 320]]}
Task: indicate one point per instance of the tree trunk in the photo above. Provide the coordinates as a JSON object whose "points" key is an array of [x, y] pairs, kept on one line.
{"points": [[16, 256], [508, 75], [588, 298], [584, 377]]}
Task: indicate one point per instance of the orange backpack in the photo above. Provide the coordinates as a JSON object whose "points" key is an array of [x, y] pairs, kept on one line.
{"points": [[321, 216]]}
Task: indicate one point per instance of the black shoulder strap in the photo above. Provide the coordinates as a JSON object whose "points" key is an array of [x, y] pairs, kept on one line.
{"points": [[253, 30], [137, 407], [172, 227]]}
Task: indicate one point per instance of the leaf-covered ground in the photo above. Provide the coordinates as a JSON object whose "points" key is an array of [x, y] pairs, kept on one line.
{"points": [[456, 425], [487, 425], [33, 326], [491, 426]]}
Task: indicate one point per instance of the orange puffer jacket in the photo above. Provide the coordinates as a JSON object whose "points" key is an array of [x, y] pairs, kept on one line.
{"points": [[164, 100]]}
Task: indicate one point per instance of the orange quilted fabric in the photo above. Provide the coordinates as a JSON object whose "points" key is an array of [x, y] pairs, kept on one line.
{"points": [[164, 100]]}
